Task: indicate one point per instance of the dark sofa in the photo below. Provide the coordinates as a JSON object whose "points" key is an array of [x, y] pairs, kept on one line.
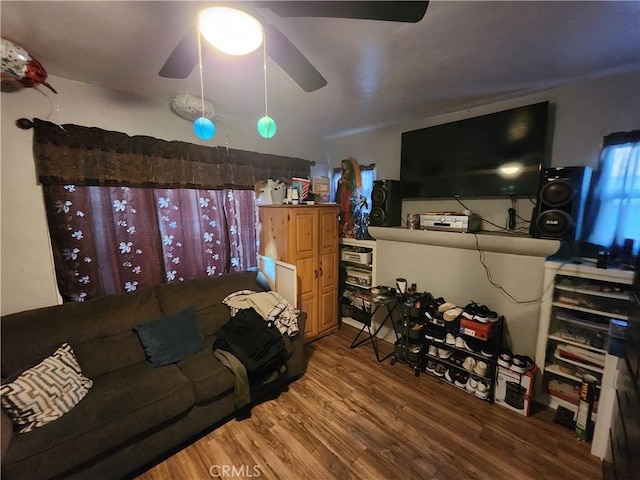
{"points": [[134, 413]]}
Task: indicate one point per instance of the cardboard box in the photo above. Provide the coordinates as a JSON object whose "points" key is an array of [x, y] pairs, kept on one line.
{"points": [[513, 390], [482, 331]]}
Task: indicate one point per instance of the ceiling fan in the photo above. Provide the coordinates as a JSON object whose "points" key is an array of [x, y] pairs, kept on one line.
{"points": [[184, 56]]}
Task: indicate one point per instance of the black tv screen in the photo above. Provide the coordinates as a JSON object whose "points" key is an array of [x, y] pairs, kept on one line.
{"points": [[487, 156]]}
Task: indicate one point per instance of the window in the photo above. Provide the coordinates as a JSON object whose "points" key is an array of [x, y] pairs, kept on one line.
{"points": [[131, 212], [368, 175], [614, 213]]}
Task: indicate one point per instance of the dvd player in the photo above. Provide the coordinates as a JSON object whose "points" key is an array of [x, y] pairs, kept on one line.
{"points": [[450, 222]]}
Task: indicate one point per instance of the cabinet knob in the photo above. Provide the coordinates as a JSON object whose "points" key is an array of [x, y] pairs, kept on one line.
{"points": [[320, 271]]}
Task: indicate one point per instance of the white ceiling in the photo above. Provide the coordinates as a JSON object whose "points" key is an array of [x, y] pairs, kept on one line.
{"points": [[462, 54]]}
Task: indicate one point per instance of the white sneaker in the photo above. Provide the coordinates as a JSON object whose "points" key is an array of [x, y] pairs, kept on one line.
{"points": [[482, 389], [433, 350], [504, 359], [481, 368], [450, 339], [460, 343], [472, 384], [521, 364]]}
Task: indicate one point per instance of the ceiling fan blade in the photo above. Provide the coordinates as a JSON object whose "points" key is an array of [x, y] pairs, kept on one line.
{"points": [[292, 61], [183, 59], [411, 12]]}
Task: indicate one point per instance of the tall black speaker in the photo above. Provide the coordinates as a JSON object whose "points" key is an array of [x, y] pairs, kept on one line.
{"points": [[562, 196], [386, 204]]}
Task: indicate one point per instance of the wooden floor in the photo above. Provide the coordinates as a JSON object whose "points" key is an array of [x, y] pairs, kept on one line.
{"points": [[351, 417]]}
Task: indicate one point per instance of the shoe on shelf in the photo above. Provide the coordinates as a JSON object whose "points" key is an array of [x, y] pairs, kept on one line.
{"points": [[451, 314], [456, 360], [480, 368], [439, 335], [444, 353], [469, 364], [429, 330], [437, 302], [445, 307], [460, 378], [521, 364], [471, 385], [450, 339], [427, 314], [433, 351], [431, 365], [504, 359], [485, 315], [474, 344], [469, 311], [449, 375], [482, 390], [460, 343], [416, 327], [440, 369], [486, 353]]}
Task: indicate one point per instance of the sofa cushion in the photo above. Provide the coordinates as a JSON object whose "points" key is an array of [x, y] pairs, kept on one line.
{"points": [[46, 391], [122, 405], [172, 338], [206, 295], [85, 325], [210, 378]]}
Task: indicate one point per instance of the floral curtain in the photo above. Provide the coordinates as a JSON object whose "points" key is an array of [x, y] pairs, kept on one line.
{"points": [[118, 239]]}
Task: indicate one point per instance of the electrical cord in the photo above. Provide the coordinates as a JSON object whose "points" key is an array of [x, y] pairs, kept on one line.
{"points": [[502, 289], [483, 219]]}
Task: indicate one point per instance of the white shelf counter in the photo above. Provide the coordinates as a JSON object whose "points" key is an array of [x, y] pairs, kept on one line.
{"points": [[487, 242]]}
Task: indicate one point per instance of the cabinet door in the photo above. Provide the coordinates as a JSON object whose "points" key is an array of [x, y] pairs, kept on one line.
{"points": [[307, 291], [329, 230], [328, 278], [274, 237], [305, 231], [328, 301]]}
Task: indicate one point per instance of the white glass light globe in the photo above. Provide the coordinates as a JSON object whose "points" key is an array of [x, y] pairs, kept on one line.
{"points": [[230, 31]]}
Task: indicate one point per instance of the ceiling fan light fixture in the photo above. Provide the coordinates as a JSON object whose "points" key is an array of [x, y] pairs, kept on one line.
{"points": [[229, 30]]}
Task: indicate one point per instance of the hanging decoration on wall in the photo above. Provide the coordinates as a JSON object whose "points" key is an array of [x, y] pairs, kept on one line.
{"points": [[203, 127], [19, 69], [266, 125]]}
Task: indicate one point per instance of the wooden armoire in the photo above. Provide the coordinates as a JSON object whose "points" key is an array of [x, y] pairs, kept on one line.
{"points": [[307, 237]]}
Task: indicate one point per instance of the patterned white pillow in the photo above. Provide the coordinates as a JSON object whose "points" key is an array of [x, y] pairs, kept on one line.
{"points": [[45, 392]]}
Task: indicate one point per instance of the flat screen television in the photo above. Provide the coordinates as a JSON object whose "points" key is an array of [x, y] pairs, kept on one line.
{"points": [[488, 156]]}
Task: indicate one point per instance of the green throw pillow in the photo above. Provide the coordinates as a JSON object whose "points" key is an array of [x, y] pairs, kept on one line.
{"points": [[172, 338]]}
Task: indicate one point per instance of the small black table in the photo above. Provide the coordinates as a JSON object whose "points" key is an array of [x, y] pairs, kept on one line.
{"points": [[363, 316]]}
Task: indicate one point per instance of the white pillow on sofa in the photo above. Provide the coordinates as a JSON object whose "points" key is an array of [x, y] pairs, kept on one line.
{"points": [[45, 392]]}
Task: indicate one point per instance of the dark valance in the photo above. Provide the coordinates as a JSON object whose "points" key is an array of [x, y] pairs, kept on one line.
{"points": [[72, 154], [619, 138]]}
